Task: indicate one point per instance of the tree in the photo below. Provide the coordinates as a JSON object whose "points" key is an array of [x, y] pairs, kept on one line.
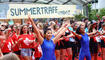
{"points": [[93, 12], [79, 17], [101, 12]]}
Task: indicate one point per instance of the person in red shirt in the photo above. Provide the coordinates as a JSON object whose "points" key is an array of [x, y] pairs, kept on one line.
{"points": [[6, 48], [2, 40], [93, 41], [2, 37], [103, 41], [25, 40], [16, 33]]}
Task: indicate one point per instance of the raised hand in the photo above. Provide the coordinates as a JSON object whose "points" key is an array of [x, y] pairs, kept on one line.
{"points": [[29, 18]]}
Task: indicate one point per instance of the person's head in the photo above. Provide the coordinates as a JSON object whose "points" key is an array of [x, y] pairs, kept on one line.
{"points": [[52, 23], [30, 28], [8, 32], [103, 17], [1, 30], [10, 56], [94, 24], [48, 33], [81, 29], [72, 23], [75, 26], [40, 25], [86, 20], [13, 27], [56, 21], [56, 27], [24, 29], [3, 26], [103, 26], [18, 29]]}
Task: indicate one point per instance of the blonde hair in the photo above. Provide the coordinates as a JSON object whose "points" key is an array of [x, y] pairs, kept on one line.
{"points": [[10, 56], [52, 22], [40, 25]]}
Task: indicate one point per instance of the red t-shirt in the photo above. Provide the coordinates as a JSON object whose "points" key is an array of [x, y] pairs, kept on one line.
{"points": [[7, 46], [32, 45], [25, 40], [32, 35], [37, 53], [15, 39]]}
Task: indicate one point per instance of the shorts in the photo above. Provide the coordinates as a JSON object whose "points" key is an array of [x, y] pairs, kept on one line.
{"points": [[5, 53], [94, 48], [57, 46], [17, 52], [65, 44], [68, 44], [26, 52]]}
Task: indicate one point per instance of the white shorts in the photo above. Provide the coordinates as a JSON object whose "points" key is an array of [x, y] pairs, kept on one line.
{"points": [[26, 52]]}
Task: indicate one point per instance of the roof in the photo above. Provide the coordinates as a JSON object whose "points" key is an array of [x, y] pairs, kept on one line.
{"points": [[60, 2]]}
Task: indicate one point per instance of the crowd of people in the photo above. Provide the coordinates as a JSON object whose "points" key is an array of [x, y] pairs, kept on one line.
{"points": [[53, 40]]}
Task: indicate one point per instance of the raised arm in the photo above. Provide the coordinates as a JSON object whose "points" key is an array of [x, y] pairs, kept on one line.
{"points": [[71, 35], [55, 34], [57, 37], [92, 33], [75, 34], [40, 38]]}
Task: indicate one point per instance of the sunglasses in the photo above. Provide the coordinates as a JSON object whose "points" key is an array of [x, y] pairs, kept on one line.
{"points": [[1, 30], [2, 25]]}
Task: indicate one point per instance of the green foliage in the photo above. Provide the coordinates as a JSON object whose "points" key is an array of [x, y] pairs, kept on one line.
{"points": [[93, 12], [79, 17], [102, 12], [92, 15], [89, 8]]}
